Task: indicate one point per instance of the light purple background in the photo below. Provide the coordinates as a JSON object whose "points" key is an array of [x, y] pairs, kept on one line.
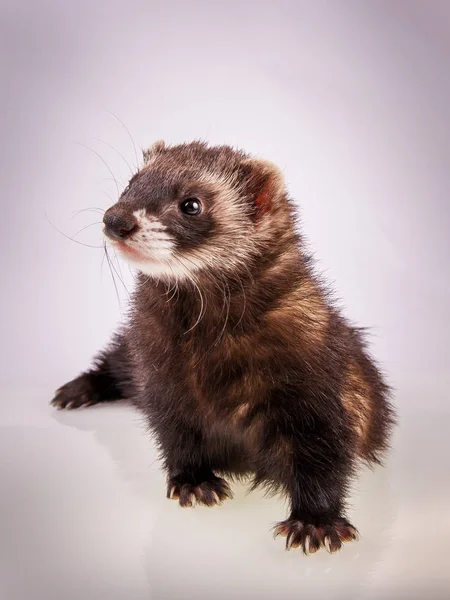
{"points": [[350, 98]]}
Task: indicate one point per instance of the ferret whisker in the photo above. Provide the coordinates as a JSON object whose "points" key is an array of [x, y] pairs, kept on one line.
{"points": [[120, 278], [120, 270], [221, 285], [93, 209], [171, 288], [87, 227], [112, 275], [227, 315], [245, 301], [103, 161], [112, 266], [103, 260], [223, 329], [193, 280], [250, 276], [68, 236], [176, 290], [202, 306], [109, 196], [128, 132], [102, 179], [117, 152]]}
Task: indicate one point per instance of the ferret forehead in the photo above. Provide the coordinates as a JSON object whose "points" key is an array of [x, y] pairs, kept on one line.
{"points": [[168, 181], [151, 183], [196, 157]]}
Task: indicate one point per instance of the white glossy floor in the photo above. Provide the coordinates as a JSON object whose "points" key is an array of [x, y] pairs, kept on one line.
{"points": [[84, 516]]}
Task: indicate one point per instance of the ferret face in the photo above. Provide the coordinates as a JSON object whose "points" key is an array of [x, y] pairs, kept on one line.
{"points": [[192, 208]]}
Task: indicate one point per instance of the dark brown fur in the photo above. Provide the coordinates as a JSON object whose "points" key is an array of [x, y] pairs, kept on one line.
{"points": [[271, 381]]}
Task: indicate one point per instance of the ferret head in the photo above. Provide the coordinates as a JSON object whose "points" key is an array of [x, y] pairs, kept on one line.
{"points": [[193, 208]]}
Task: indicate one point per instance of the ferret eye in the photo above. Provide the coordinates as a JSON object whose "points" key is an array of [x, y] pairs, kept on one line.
{"points": [[191, 207]]}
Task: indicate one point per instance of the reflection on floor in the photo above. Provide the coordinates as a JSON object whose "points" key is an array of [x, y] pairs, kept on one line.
{"points": [[84, 515]]}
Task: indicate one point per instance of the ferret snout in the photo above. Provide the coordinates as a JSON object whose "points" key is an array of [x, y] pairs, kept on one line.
{"points": [[119, 225]]}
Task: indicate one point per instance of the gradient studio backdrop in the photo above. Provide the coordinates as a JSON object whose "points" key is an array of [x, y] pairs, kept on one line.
{"points": [[351, 99]]}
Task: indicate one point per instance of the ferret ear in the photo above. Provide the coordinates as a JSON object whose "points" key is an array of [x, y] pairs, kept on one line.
{"points": [[154, 149], [264, 184]]}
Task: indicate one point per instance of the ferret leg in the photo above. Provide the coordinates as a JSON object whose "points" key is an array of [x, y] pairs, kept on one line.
{"points": [[105, 382], [191, 479], [310, 457], [198, 487], [317, 519]]}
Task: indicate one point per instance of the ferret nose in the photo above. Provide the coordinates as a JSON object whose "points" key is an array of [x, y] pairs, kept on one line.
{"points": [[118, 226]]}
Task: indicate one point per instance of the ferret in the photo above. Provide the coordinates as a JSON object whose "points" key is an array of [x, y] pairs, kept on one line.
{"points": [[234, 349]]}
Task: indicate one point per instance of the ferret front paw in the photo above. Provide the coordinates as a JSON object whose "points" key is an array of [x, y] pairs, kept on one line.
{"points": [[312, 534], [209, 493], [78, 393]]}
